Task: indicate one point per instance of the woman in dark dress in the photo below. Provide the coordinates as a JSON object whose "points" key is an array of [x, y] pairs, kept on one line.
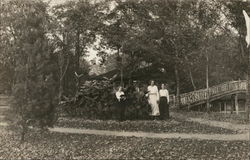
{"points": [[120, 96], [164, 102]]}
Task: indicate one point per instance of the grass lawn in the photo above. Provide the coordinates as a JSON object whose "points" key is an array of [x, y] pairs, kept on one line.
{"points": [[72, 146], [172, 125]]}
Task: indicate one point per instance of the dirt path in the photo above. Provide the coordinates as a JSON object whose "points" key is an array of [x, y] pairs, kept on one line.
{"points": [[242, 128], [2, 116], [3, 124], [244, 135], [219, 137], [226, 125]]}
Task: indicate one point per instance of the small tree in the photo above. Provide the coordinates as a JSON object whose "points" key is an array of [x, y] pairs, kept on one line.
{"points": [[34, 90]]}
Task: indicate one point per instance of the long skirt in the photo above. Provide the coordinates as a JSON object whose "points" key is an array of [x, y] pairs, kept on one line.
{"points": [[152, 100], [121, 110], [164, 108]]}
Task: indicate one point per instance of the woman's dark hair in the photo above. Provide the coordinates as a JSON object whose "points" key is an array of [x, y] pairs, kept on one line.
{"points": [[119, 87]]}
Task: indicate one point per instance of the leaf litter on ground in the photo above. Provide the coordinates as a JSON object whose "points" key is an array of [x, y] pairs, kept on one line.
{"points": [[73, 146]]}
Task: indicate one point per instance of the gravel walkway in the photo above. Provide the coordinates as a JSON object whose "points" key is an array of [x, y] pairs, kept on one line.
{"points": [[3, 124], [226, 125], [244, 136], [220, 137], [243, 128]]}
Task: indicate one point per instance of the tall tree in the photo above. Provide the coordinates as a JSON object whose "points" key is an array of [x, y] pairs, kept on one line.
{"points": [[237, 21], [79, 23], [123, 32], [34, 87], [176, 31]]}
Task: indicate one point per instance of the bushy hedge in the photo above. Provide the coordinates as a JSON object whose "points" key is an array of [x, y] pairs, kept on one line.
{"points": [[96, 100]]}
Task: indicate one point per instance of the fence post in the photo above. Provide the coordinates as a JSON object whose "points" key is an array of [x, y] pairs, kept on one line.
{"points": [[236, 103]]}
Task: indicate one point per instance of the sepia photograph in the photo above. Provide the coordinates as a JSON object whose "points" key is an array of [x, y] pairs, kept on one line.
{"points": [[124, 79]]}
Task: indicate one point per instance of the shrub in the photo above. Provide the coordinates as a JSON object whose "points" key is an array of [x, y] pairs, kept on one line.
{"points": [[35, 79], [96, 100]]}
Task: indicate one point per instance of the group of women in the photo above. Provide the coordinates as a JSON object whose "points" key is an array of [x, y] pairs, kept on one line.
{"points": [[157, 99]]}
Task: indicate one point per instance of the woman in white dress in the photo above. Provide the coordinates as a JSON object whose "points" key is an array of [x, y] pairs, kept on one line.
{"points": [[153, 98]]}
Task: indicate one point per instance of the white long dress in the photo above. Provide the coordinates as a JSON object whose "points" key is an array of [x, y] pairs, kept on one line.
{"points": [[153, 97]]}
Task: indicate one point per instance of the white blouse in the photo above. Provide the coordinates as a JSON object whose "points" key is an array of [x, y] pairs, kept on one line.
{"points": [[118, 95], [164, 93], [152, 90]]}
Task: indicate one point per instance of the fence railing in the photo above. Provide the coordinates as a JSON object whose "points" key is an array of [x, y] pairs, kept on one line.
{"points": [[214, 91]]}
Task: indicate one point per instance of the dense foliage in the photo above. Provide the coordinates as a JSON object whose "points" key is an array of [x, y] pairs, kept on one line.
{"points": [[96, 100], [182, 37]]}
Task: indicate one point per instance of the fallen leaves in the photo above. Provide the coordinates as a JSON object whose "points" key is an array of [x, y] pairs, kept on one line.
{"points": [[70, 146]]}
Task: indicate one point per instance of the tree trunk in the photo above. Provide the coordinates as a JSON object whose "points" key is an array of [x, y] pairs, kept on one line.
{"points": [[24, 130], [121, 66], [177, 78], [130, 78], [207, 83], [122, 82], [61, 63], [191, 78], [24, 106], [63, 67], [190, 74], [77, 57], [248, 87], [77, 52]]}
